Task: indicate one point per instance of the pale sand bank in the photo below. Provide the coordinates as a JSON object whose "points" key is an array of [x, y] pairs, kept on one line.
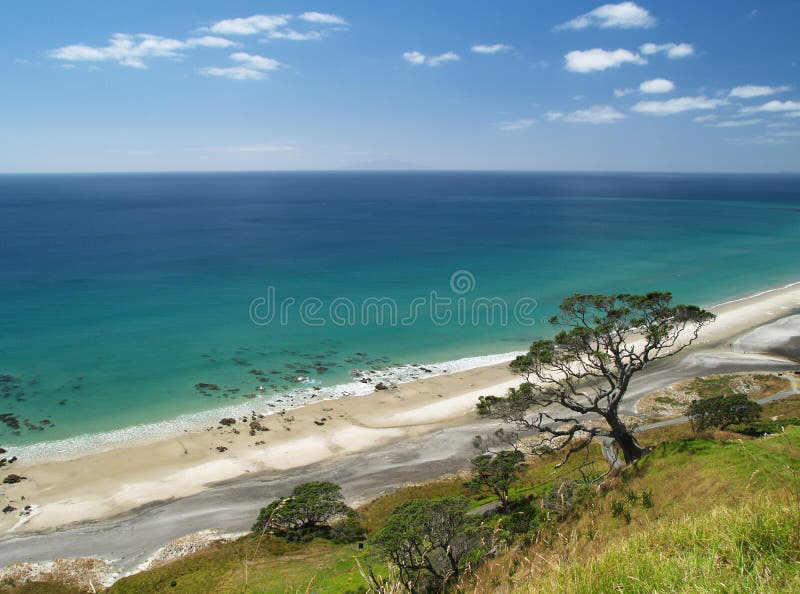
{"points": [[108, 483]]}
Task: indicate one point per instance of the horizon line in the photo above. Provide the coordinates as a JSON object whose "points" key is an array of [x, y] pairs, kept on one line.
{"points": [[420, 170]]}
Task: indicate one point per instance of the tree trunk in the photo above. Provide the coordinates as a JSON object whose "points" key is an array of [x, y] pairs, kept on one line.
{"points": [[631, 450]]}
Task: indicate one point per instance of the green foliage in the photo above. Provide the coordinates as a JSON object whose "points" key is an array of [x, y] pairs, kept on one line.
{"points": [[312, 509], [722, 411], [565, 497], [620, 509], [587, 367], [759, 428], [431, 542], [524, 519], [497, 473], [346, 529]]}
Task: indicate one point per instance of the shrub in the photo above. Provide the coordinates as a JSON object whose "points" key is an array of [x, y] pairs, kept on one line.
{"points": [[431, 542], [722, 411], [311, 510]]}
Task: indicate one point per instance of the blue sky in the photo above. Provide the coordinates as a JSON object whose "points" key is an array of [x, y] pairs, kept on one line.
{"points": [[657, 85]]}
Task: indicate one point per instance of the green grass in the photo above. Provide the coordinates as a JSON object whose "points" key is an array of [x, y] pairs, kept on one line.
{"points": [[725, 514], [275, 567], [725, 550]]}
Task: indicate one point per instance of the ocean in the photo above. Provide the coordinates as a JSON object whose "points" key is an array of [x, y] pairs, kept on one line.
{"points": [[139, 304]]}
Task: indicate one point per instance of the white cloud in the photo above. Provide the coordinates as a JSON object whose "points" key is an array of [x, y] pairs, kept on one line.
{"points": [[490, 49], [598, 114], [209, 41], [234, 73], [625, 15], [442, 58], [516, 124], [133, 50], [418, 58], [252, 25], [737, 123], [678, 105], [292, 35], [750, 91], [255, 62], [657, 85], [774, 106], [623, 92], [252, 67], [674, 51], [599, 59], [795, 114], [415, 58], [322, 18], [705, 118]]}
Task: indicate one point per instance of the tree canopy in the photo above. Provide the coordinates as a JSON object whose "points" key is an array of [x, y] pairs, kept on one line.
{"points": [[430, 542], [584, 372], [722, 411], [310, 510], [496, 473]]}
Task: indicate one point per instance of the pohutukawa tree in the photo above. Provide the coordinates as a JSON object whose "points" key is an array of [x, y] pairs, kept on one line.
{"points": [[585, 371]]}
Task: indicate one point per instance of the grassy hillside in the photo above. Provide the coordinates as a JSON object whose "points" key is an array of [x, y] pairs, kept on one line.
{"points": [[718, 512]]}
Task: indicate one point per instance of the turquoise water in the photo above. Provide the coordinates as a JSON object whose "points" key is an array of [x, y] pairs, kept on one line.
{"points": [[121, 293]]}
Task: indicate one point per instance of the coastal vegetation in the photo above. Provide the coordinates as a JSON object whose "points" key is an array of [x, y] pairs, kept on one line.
{"points": [[587, 368], [714, 511], [312, 510], [721, 412]]}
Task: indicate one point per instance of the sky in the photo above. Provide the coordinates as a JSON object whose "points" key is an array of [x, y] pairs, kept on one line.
{"points": [[561, 85]]}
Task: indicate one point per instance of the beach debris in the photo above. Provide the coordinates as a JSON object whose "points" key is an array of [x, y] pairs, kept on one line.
{"points": [[227, 422], [320, 423], [221, 449], [13, 479]]}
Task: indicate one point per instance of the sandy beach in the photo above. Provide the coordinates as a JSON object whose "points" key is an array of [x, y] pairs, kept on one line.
{"points": [[110, 483]]}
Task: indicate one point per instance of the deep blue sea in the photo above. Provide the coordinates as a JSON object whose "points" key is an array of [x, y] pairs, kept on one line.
{"points": [[129, 299]]}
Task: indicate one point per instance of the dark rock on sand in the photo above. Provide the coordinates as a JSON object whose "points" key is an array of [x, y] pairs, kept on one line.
{"points": [[227, 422], [13, 479]]}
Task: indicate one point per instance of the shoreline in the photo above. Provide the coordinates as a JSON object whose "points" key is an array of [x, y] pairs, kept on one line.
{"points": [[113, 481], [79, 446]]}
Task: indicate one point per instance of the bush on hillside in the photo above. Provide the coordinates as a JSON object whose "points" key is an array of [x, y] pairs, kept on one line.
{"points": [[720, 412], [311, 510]]}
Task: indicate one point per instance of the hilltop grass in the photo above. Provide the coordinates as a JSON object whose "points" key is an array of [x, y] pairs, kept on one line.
{"points": [[716, 502], [725, 550]]}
